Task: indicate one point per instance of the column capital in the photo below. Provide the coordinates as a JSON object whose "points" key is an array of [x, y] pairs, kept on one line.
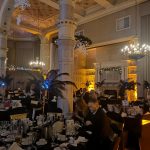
{"points": [[44, 39], [97, 65]]}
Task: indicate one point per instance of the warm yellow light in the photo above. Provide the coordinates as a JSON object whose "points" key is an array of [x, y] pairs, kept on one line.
{"points": [[90, 88], [44, 76], [144, 122]]}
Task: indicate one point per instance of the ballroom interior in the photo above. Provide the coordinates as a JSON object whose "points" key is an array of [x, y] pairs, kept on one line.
{"points": [[98, 45]]}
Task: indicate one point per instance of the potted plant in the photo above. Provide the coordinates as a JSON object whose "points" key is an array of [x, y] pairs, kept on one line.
{"points": [[5, 81], [126, 85]]}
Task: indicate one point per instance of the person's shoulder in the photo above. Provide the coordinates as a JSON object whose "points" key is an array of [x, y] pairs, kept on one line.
{"points": [[100, 112]]}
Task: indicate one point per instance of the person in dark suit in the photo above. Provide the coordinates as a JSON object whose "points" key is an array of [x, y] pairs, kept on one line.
{"points": [[99, 124]]}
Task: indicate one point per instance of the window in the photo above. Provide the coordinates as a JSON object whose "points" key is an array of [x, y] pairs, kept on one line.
{"points": [[123, 23]]}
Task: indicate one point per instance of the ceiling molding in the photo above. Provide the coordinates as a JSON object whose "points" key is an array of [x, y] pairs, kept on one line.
{"points": [[50, 3], [56, 6], [23, 39], [119, 40], [27, 29], [50, 33], [104, 3], [105, 12]]}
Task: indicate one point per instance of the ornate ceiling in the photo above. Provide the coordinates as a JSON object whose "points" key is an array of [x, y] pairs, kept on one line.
{"points": [[39, 15], [43, 14]]}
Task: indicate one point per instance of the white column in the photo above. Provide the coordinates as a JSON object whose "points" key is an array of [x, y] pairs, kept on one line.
{"points": [[3, 53], [97, 70], [66, 42], [45, 53]]}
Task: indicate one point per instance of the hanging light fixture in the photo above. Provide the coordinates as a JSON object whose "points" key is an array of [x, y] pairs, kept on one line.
{"points": [[136, 50], [37, 64], [23, 4]]}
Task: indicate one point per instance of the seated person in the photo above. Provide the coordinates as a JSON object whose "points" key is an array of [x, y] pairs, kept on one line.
{"points": [[80, 110], [99, 124]]}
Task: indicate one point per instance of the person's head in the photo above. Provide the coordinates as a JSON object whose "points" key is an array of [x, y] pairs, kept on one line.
{"points": [[93, 103], [33, 86]]}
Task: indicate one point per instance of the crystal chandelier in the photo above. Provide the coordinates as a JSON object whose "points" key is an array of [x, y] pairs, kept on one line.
{"points": [[23, 4], [80, 47], [37, 64], [135, 51], [19, 19]]}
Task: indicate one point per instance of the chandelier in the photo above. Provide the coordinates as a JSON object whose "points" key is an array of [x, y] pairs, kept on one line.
{"points": [[136, 51], [80, 47], [23, 4], [37, 64]]}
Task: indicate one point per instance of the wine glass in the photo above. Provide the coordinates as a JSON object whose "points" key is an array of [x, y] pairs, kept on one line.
{"points": [[53, 137]]}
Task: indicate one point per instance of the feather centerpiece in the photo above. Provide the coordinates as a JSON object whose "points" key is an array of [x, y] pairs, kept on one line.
{"points": [[55, 86], [125, 85]]}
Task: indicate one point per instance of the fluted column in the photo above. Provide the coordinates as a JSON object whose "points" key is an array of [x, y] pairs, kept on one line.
{"points": [[66, 42], [45, 53], [3, 53]]}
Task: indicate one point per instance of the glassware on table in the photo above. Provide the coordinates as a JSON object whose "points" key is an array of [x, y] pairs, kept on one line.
{"points": [[54, 137]]}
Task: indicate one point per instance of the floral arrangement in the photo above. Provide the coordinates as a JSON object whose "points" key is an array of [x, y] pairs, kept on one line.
{"points": [[146, 85], [125, 85], [119, 69]]}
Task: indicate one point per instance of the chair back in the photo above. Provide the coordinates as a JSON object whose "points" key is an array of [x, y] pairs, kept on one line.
{"points": [[117, 143], [18, 113], [18, 116], [58, 127]]}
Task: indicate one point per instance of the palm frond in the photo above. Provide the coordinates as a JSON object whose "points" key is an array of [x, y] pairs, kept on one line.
{"points": [[100, 84], [70, 83], [51, 75]]}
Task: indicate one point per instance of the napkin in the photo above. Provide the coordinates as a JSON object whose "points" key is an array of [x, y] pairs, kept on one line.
{"points": [[15, 146], [57, 148], [63, 145], [81, 139]]}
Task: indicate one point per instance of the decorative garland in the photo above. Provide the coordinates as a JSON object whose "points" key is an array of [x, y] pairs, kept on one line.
{"points": [[119, 69], [14, 68], [79, 38]]}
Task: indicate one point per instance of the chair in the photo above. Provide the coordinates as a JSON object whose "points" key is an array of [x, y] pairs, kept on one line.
{"points": [[18, 116], [4, 115], [36, 112], [117, 143], [117, 125], [18, 113], [58, 126]]}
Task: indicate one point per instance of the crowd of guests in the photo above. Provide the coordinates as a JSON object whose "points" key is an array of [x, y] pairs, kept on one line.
{"points": [[88, 111], [97, 119]]}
